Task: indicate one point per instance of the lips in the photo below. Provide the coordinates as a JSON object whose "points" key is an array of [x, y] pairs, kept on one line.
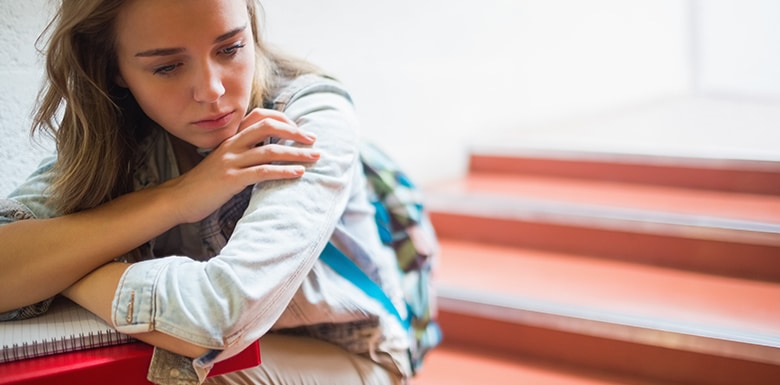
{"points": [[215, 121]]}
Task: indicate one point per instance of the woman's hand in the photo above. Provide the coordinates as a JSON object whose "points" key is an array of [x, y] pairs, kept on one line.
{"points": [[240, 161]]}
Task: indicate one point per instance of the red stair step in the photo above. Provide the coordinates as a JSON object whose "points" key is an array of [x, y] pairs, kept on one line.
{"points": [[641, 362], [749, 176], [715, 232], [698, 203], [544, 303], [457, 365], [644, 291]]}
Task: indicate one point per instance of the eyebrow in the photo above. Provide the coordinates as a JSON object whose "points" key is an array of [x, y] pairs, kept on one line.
{"points": [[174, 51]]}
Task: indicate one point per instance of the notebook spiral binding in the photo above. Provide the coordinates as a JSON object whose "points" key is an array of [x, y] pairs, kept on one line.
{"points": [[62, 344], [66, 327]]}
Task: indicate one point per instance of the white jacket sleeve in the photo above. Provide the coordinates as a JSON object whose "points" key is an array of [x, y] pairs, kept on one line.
{"points": [[232, 299]]}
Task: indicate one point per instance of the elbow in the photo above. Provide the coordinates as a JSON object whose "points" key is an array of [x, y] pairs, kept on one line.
{"points": [[236, 318], [248, 320]]}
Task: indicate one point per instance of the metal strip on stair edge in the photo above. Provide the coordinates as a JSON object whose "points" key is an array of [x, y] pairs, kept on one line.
{"points": [[655, 332], [611, 218]]}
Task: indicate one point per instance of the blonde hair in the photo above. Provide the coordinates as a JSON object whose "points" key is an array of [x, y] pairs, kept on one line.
{"points": [[95, 123]]}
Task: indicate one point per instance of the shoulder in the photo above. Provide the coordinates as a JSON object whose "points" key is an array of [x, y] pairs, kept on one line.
{"points": [[291, 90]]}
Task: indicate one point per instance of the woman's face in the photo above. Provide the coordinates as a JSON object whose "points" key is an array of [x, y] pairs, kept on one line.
{"points": [[189, 64]]}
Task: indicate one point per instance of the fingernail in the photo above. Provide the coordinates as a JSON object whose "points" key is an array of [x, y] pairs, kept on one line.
{"points": [[310, 135]]}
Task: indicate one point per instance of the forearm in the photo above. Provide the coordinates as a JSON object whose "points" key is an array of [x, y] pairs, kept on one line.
{"points": [[95, 292], [40, 258], [238, 295], [235, 297]]}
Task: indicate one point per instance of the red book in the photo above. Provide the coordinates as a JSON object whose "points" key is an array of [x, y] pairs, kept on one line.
{"points": [[70, 345], [124, 364]]}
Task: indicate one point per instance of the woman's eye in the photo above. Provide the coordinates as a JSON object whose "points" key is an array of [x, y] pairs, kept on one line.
{"points": [[165, 70], [232, 50]]}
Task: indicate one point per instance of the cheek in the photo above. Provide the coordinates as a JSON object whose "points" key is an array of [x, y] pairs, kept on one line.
{"points": [[246, 73], [159, 104], [245, 80]]}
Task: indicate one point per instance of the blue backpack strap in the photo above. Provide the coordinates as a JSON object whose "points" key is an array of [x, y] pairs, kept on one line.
{"points": [[341, 264]]}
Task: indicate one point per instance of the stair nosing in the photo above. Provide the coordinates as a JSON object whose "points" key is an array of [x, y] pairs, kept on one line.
{"points": [[663, 333], [600, 216], [628, 158]]}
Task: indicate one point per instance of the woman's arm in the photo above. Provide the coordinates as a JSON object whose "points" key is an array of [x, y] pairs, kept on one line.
{"points": [[99, 302], [40, 258], [234, 298]]}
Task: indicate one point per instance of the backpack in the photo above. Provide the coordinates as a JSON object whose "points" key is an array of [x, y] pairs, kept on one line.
{"points": [[403, 225]]}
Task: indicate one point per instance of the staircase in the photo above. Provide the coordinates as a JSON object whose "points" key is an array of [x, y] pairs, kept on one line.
{"points": [[586, 268]]}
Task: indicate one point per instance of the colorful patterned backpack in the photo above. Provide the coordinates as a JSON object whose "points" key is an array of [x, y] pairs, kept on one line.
{"points": [[403, 225]]}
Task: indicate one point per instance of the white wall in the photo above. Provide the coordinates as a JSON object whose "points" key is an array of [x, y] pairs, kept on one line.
{"points": [[431, 77], [738, 48], [20, 73]]}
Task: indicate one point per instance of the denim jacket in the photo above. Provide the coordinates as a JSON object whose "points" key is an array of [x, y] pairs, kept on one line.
{"points": [[252, 266]]}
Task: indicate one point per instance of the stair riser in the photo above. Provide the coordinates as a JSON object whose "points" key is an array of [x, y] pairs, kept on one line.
{"points": [[708, 256], [656, 363], [721, 175]]}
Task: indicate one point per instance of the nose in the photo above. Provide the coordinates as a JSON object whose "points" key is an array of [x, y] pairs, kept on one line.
{"points": [[208, 87]]}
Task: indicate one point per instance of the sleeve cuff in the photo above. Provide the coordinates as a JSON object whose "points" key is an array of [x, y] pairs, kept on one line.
{"points": [[134, 305]]}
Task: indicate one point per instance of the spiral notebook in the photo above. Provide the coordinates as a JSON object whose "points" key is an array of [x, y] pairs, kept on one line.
{"points": [[65, 327]]}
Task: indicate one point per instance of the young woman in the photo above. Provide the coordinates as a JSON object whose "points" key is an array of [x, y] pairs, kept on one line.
{"points": [[188, 213]]}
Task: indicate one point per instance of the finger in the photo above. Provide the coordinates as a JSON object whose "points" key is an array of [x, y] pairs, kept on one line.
{"points": [[258, 132], [275, 153], [268, 172], [258, 114]]}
